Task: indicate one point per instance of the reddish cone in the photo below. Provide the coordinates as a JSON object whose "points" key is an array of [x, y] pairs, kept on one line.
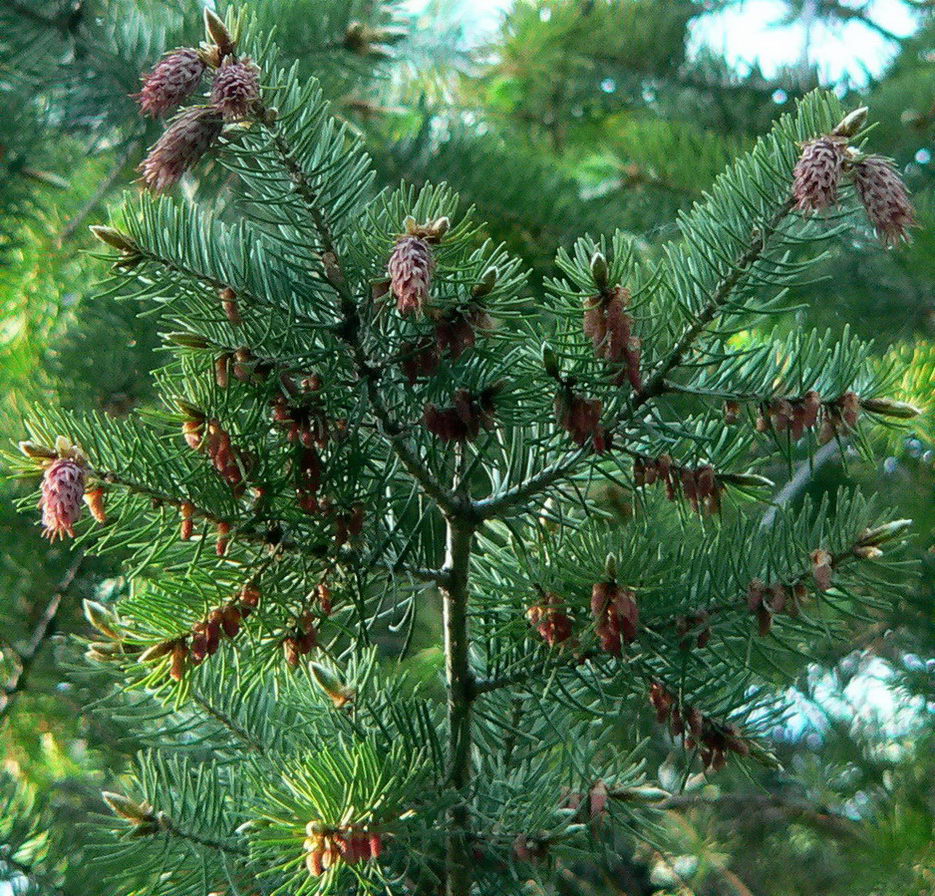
{"points": [[180, 148], [816, 174], [885, 198], [410, 269], [236, 89], [62, 497], [175, 78]]}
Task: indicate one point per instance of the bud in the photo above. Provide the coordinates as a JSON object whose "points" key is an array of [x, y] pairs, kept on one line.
{"points": [[419, 359], [230, 619], [187, 340], [410, 268], [62, 494], [731, 412], [37, 452], [216, 31], [100, 617], [222, 370], [580, 417], [598, 797], [179, 656], [454, 332], [157, 651], [816, 174], [616, 615], [436, 231], [550, 619], [223, 538], [886, 408], [867, 552], [599, 271], [609, 328], [95, 501], [468, 414], [115, 239], [175, 78], [339, 693], [550, 362], [249, 598], [485, 285], [885, 532], [236, 88], [851, 123], [885, 197], [126, 808], [185, 141]]}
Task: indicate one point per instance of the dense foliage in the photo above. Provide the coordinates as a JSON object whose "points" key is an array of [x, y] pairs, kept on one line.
{"points": [[360, 443]]}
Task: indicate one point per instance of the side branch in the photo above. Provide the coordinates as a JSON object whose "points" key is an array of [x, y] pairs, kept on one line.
{"points": [[44, 629], [656, 384], [349, 332]]}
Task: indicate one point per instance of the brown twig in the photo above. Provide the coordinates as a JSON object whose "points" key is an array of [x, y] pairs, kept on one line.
{"points": [[43, 630]]}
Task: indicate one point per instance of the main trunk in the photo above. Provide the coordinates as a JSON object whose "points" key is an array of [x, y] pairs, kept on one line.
{"points": [[460, 684]]}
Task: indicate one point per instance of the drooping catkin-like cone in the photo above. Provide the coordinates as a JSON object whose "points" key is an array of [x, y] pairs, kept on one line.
{"points": [[62, 497], [885, 198], [236, 88], [180, 148], [410, 268], [174, 78], [817, 173]]}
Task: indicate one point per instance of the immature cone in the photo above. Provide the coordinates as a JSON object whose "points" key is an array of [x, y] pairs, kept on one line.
{"points": [[608, 325], [95, 501], [885, 198], [581, 418], [62, 497], [236, 88], [229, 304], [187, 509], [550, 619], [180, 148], [463, 421], [410, 268], [816, 174], [175, 78], [616, 615], [223, 539]]}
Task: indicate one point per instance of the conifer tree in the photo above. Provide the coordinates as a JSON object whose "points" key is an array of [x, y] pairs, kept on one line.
{"points": [[366, 408]]}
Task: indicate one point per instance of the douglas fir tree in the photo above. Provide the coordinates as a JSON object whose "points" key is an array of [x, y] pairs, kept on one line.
{"points": [[366, 409]]}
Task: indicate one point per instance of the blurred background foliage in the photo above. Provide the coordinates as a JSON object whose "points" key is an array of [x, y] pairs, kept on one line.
{"points": [[571, 116]]}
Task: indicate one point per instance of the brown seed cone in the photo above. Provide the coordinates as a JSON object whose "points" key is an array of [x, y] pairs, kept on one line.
{"points": [[175, 78], [885, 197], [185, 141], [817, 173], [410, 268]]}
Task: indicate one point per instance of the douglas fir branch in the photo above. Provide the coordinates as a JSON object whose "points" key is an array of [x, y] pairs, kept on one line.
{"points": [[369, 413]]}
